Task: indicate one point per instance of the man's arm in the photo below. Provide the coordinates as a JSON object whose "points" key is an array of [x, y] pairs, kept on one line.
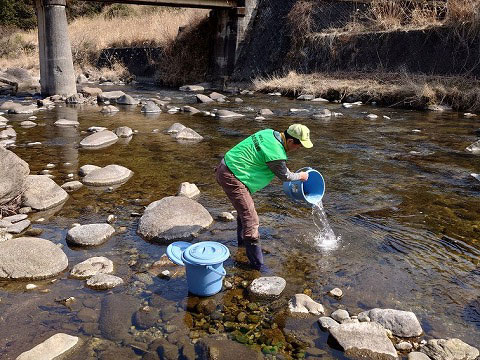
{"points": [[279, 168]]}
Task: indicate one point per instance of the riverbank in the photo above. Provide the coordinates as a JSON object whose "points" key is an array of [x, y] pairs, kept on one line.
{"points": [[384, 89]]}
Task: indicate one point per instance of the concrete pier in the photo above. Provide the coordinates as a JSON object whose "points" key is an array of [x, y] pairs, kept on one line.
{"points": [[57, 75]]}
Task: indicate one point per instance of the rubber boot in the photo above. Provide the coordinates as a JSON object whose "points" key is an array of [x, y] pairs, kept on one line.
{"points": [[254, 254], [240, 242]]}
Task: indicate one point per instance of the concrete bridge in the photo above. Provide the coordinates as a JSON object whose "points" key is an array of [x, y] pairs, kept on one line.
{"points": [[57, 75]]}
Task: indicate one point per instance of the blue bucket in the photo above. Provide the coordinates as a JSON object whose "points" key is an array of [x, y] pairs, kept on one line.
{"points": [[310, 191], [204, 265]]}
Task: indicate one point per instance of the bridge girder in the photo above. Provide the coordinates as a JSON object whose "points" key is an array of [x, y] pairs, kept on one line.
{"points": [[202, 4]]}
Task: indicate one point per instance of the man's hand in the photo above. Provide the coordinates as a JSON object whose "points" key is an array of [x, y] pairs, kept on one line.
{"points": [[304, 176]]}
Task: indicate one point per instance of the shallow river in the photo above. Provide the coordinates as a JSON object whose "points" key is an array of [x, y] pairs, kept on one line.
{"points": [[398, 192]]}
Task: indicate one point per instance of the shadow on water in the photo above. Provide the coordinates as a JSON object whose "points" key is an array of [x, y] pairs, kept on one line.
{"points": [[402, 201]]}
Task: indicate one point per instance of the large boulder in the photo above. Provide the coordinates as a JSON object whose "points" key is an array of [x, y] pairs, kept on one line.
{"points": [[30, 258], [108, 175], [42, 193], [14, 174], [450, 349], [127, 100], [99, 140], [364, 340], [173, 217], [401, 323], [55, 347], [90, 234]]}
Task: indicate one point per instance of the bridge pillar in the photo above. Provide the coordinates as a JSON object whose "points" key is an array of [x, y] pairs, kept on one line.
{"points": [[57, 75], [232, 27]]}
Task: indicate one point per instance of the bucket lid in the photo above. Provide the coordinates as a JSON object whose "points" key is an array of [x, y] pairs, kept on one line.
{"points": [[206, 253], [175, 251]]}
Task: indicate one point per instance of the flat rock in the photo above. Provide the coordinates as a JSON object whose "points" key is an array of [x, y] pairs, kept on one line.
{"points": [[173, 217], [31, 258], [15, 172], [72, 186], [196, 88], [18, 227], [449, 349], [364, 340], [91, 91], [216, 96], [227, 114], [190, 109], [55, 347], [87, 169], [327, 322], [401, 323], [42, 193], [175, 128], [151, 107], [15, 218], [306, 97], [267, 287], [123, 132], [92, 266], [109, 109], [90, 234], [415, 355], [265, 112], [127, 100], [111, 96], [28, 124], [108, 175], [188, 134], [204, 99], [474, 148], [66, 123], [189, 190], [8, 133], [101, 281], [304, 304], [99, 140]]}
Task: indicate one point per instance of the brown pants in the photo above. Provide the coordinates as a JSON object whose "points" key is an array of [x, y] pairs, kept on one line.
{"points": [[239, 195]]}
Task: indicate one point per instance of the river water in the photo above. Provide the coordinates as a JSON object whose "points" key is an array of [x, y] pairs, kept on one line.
{"points": [[398, 193]]}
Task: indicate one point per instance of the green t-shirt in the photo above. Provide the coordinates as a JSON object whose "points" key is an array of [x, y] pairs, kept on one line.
{"points": [[247, 160]]}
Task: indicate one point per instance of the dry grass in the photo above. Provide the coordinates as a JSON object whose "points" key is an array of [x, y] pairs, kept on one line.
{"points": [[388, 89], [138, 26]]}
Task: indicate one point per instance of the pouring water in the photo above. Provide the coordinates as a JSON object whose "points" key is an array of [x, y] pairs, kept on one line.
{"points": [[326, 238]]}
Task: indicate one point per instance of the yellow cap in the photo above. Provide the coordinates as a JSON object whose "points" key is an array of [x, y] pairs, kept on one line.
{"points": [[302, 133]]}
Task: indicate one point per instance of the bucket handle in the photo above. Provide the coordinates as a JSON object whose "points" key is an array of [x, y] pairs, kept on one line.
{"points": [[209, 267], [306, 168]]}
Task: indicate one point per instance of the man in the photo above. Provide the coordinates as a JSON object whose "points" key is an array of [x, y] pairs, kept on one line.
{"points": [[250, 166]]}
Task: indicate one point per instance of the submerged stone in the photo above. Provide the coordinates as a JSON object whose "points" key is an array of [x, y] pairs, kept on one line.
{"points": [[92, 266], [227, 114], [66, 123], [56, 346]]}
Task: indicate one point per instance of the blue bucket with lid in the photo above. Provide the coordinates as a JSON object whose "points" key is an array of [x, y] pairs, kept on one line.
{"points": [[204, 264], [310, 191]]}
